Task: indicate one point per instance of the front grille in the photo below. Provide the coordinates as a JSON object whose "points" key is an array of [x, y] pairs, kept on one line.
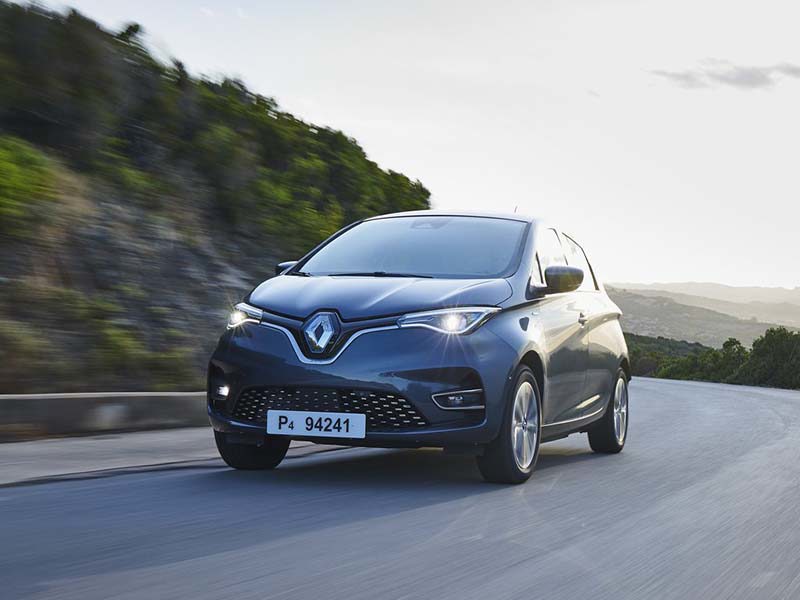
{"points": [[385, 412]]}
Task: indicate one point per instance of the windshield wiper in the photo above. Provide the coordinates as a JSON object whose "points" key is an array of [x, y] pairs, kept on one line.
{"points": [[300, 274], [378, 274]]}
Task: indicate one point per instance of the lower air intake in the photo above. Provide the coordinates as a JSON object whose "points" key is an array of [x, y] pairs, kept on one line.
{"points": [[385, 412]]}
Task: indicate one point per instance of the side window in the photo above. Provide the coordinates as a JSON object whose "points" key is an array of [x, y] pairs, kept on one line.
{"points": [[576, 257], [550, 250]]}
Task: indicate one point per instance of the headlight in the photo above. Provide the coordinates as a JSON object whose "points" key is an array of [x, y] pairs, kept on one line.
{"points": [[455, 321], [244, 313]]}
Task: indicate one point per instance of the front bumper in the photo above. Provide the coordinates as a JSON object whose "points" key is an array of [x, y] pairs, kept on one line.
{"points": [[411, 363]]}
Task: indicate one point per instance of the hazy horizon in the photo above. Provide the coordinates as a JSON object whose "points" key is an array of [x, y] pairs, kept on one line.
{"points": [[688, 282], [659, 134]]}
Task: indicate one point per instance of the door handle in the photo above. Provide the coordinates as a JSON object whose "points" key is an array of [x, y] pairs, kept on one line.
{"points": [[583, 319]]}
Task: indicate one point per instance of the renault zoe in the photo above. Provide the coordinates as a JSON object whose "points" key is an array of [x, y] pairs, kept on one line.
{"points": [[485, 333]]}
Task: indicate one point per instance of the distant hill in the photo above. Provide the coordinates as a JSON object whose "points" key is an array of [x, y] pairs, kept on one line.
{"points": [[784, 313], [718, 291], [659, 316]]}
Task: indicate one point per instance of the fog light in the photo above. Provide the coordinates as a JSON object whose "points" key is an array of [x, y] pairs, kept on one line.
{"points": [[459, 400], [223, 390]]}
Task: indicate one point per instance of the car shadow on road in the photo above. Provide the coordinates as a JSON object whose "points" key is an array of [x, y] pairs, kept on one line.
{"points": [[551, 457], [396, 469], [370, 469]]}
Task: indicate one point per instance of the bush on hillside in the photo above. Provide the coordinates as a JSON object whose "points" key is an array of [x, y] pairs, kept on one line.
{"points": [[26, 183]]}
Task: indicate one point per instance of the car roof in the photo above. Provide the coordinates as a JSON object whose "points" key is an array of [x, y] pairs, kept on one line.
{"points": [[459, 213]]}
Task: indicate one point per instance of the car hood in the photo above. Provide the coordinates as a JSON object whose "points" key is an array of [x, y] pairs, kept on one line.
{"points": [[366, 297]]}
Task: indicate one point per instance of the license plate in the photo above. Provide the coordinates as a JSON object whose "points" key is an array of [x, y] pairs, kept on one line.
{"points": [[316, 424]]}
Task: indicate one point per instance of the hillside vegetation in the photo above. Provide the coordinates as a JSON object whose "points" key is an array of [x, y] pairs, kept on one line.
{"points": [[773, 361], [649, 354], [137, 202]]}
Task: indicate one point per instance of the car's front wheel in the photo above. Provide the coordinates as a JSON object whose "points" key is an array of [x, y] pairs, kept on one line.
{"points": [[511, 457], [608, 435], [251, 457]]}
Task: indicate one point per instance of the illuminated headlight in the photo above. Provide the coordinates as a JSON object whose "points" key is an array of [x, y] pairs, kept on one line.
{"points": [[244, 313], [454, 321]]}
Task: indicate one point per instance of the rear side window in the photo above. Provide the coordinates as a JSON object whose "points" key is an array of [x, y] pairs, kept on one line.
{"points": [[550, 250], [576, 257]]}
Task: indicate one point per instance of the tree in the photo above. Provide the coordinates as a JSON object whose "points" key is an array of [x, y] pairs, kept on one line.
{"points": [[774, 360], [131, 33]]}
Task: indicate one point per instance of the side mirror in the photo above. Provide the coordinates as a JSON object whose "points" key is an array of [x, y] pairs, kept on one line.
{"points": [[281, 267], [561, 279]]}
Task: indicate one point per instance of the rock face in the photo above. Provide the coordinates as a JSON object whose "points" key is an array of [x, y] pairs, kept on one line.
{"points": [[117, 297]]}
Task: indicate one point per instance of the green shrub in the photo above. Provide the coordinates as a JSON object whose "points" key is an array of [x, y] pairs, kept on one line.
{"points": [[649, 354], [230, 166], [26, 182], [115, 166], [774, 360], [298, 219], [721, 366]]}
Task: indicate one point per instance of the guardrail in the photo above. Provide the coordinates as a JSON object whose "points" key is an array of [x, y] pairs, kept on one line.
{"points": [[26, 416]]}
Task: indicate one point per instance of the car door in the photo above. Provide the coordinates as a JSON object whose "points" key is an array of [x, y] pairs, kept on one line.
{"points": [[596, 317], [567, 347]]}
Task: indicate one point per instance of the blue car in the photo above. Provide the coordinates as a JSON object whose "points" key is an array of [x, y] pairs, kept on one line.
{"points": [[483, 333]]}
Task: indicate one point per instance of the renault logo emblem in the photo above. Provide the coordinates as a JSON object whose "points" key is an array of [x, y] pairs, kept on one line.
{"points": [[320, 330]]}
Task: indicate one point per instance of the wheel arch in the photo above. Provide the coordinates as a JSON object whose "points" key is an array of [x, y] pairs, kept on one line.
{"points": [[533, 361], [625, 365]]}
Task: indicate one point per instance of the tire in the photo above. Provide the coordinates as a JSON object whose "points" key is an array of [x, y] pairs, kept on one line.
{"points": [[609, 434], [512, 456], [250, 457]]}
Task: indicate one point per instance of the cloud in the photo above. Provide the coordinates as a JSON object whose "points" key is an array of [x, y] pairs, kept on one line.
{"points": [[685, 79], [207, 11], [716, 73]]}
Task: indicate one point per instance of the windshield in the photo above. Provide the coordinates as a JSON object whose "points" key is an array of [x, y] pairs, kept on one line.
{"points": [[430, 246]]}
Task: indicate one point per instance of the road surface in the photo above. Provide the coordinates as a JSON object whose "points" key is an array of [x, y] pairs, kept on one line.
{"points": [[703, 503]]}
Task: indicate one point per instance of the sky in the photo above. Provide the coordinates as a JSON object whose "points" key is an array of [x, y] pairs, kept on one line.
{"points": [[662, 135]]}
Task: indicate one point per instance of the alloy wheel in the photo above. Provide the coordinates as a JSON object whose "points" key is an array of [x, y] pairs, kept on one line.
{"points": [[621, 410], [525, 425]]}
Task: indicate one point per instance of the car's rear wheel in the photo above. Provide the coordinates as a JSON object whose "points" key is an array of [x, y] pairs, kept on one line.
{"points": [[251, 457], [511, 457], [608, 435]]}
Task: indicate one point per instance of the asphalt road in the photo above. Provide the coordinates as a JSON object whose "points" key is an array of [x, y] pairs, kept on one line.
{"points": [[703, 503]]}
